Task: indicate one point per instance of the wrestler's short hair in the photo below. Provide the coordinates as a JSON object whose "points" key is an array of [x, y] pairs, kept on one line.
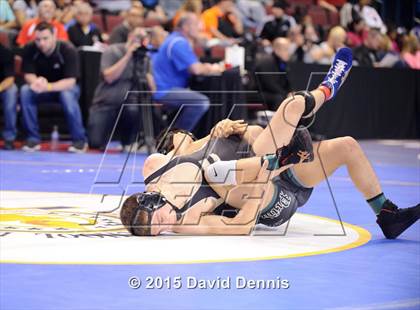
{"points": [[165, 142], [128, 212]]}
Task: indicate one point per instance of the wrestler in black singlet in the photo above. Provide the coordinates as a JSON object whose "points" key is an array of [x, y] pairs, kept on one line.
{"points": [[231, 148]]}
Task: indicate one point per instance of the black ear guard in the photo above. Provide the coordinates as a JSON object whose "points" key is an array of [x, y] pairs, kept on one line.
{"points": [[150, 202]]}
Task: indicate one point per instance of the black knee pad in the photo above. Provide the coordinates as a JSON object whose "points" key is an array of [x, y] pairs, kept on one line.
{"points": [[309, 103]]}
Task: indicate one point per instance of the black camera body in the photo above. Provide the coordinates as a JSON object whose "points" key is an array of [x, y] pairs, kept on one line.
{"points": [[141, 52]]}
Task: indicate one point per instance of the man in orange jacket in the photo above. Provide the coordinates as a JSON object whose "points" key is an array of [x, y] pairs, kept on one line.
{"points": [[46, 13]]}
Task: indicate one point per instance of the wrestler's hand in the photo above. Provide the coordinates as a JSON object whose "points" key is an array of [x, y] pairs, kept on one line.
{"points": [[227, 127], [217, 130], [239, 127]]}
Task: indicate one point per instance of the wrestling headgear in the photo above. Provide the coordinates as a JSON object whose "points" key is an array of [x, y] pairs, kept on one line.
{"points": [[149, 202]]}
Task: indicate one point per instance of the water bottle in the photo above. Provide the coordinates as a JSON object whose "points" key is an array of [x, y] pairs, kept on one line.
{"points": [[55, 137]]}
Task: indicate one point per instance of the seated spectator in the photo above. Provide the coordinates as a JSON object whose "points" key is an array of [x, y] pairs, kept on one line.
{"points": [[222, 18], [387, 57], [65, 11], [172, 67], [274, 87], [46, 13], [133, 19], [154, 11], [310, 34], [192, 6], [8, 95], [362, 10], [395, 36], [157, 36], [84, 32], [24, 10], [356, 32], [324, 54], [370, 15], [116, 79], [416, 32], [366, 55], [279, 26], [308, 21], [196, 7], [230, 25], [50, 70], [7, 18], [411, 51], [305, 44], [297, 40], [347, 14]]}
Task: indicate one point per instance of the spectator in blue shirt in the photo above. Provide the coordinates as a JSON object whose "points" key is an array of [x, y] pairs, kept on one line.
{"points": [[172, 67]]}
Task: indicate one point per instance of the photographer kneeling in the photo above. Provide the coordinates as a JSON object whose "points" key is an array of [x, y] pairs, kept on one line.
{"points": [[122, 64]]}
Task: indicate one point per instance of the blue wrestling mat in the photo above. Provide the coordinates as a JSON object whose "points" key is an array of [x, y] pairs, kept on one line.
{"points": [[58, 252]]}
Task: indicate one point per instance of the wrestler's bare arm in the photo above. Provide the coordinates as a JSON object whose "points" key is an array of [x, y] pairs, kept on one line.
{"points": [[184, 145], [215, 225], [242, 224], [229, 174]]}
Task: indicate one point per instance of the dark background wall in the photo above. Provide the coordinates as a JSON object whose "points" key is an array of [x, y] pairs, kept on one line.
{"points": [[373, 103], [399, 12]]}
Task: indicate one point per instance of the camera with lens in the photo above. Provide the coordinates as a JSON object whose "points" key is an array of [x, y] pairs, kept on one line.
{"points": [[144, 39], [141, 52]]}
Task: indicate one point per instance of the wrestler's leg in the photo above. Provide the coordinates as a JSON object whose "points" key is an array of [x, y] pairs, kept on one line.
{"points": [[251, 134], [282, 126], [346, 151], [330, 155], [233, 172], [247, 169]]}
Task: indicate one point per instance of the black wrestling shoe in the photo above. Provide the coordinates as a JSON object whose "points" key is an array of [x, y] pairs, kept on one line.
{"points": [[394, 221], [299, 150]]}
